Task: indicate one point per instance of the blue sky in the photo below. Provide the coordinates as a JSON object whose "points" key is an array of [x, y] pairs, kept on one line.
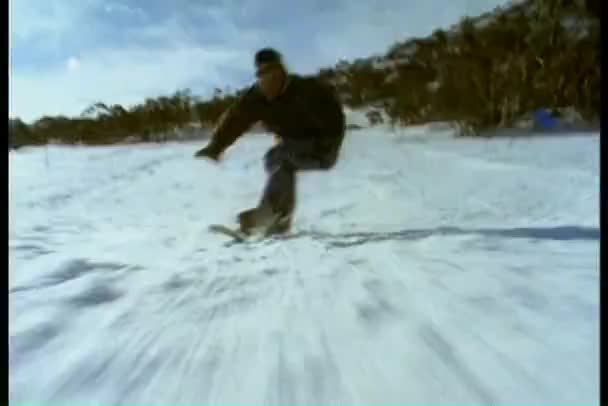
{"points": [[67, 54]]}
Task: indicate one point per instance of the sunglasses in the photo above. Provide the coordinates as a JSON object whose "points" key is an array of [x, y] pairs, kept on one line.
{"points": [[266, 70]]}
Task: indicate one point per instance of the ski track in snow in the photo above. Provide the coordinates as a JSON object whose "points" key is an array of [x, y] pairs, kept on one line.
{"points": [[421, 269]]}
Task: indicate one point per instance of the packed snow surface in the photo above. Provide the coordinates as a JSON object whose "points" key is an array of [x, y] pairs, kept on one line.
{"points": [[423, 268]]}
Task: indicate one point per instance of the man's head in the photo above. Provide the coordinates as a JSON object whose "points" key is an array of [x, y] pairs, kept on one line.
{"points": [[270, 71]]}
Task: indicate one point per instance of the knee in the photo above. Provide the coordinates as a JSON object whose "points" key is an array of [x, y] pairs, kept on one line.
{"points": [[274, 158], [329, 161], [327, 165]]}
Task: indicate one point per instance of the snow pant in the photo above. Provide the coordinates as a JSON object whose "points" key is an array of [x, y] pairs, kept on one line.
{"points": [[281, 163]]}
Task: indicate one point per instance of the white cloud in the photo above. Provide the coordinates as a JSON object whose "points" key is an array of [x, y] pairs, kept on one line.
{"points": [[123, 8], [49, 20], [116, 76], [73, 64], [123, 75]]}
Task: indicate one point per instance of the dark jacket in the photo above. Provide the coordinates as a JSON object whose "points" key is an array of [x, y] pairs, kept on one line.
{"points": [[307, 110]]}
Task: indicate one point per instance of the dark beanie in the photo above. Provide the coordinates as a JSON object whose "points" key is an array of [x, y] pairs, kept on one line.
{"points": [[268, 55]]}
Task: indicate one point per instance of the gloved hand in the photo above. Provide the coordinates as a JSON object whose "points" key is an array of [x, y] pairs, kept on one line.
{"points": [[208, 153]]}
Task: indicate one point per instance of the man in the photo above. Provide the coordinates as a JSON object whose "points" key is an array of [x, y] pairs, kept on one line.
{"points": [[308, 120]]}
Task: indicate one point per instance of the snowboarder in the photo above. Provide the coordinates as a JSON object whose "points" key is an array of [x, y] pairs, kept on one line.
{"points": [[308, 120]]}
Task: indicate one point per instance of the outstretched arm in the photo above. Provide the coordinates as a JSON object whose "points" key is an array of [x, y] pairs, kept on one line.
{"points": [[233, 123]]}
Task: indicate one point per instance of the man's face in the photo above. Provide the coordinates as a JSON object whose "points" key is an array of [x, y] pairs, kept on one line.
{"points": [[270, 79]]}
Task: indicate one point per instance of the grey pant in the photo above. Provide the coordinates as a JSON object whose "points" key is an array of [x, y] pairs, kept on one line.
{"points": [[281, 163]]}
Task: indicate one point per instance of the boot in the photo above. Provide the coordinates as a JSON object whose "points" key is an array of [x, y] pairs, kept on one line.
{"points": [[281, 226], [264, 220]]}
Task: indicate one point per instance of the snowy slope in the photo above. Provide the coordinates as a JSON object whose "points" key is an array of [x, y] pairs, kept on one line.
{"points": [[424, 269]]}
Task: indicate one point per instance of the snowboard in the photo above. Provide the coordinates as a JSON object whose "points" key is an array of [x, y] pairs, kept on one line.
{"points": [[234, 233], [238, 236]]}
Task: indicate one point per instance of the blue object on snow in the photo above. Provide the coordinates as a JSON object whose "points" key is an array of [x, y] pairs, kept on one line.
{"points": [[545, 120]]}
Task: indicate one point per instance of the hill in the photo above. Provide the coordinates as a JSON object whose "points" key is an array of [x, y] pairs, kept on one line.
{"points": [[422, 269], [486, 71]]}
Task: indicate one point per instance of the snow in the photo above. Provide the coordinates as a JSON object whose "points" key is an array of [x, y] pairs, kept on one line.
{"points": [[391, 77], [392, 63], [423, 269], [576, 25], [356, 117], [405, 50], [485, 21]]}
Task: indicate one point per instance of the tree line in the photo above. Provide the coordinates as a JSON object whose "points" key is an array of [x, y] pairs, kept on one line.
{"points": [[488, 72], [100, 124]]}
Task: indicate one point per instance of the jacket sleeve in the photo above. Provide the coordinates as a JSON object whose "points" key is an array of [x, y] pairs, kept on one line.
{"points": [[235, 121]]}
